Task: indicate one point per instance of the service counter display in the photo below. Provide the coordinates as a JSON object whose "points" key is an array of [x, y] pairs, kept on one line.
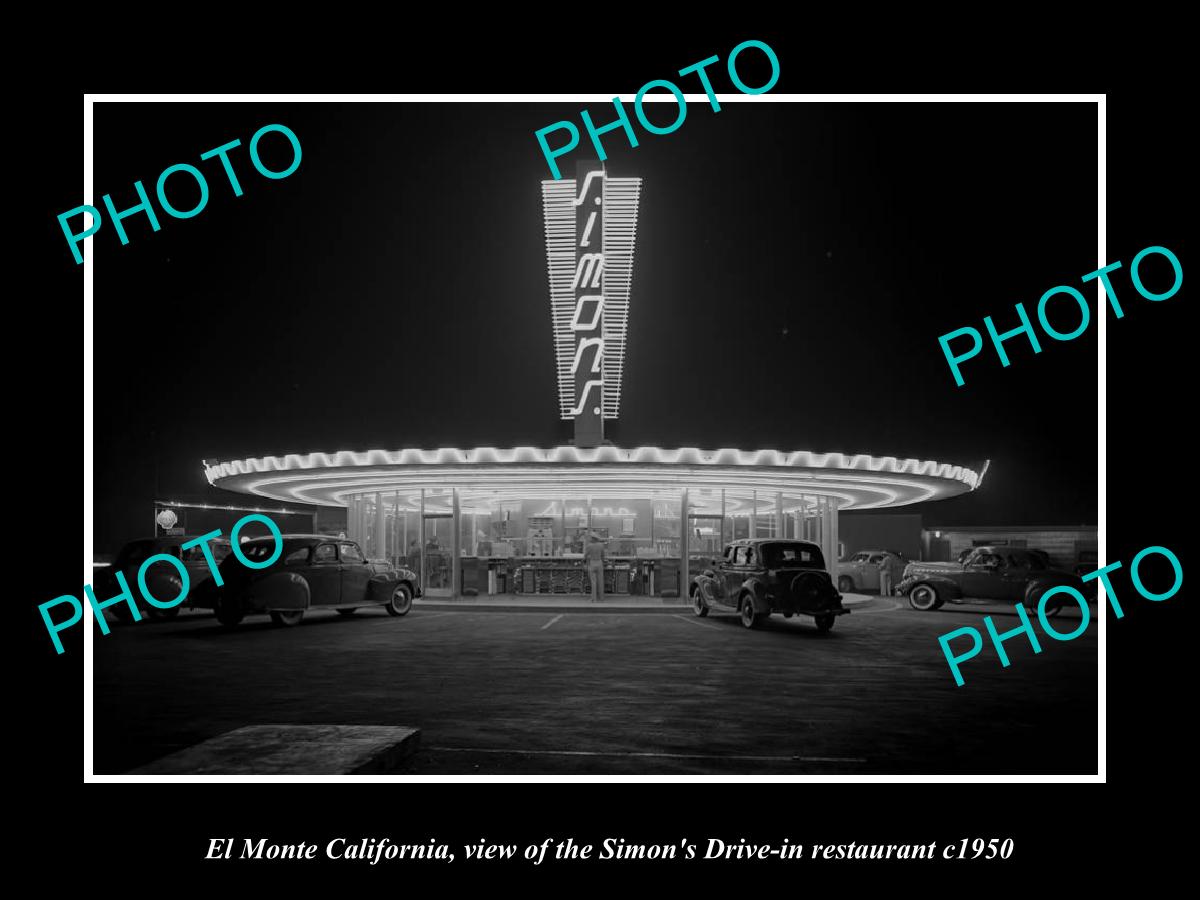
{"points": [[632, 576]]}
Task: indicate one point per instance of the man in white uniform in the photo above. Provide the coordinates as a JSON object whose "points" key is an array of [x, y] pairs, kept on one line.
{"points": [[593, 555]]}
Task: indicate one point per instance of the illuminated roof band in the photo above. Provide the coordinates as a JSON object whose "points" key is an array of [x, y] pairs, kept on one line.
{"points": [[855, 481]]}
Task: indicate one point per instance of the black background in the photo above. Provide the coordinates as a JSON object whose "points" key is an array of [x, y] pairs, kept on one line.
{"points": [[157, 834]]}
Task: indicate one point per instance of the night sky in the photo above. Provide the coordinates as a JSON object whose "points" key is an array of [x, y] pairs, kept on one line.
{"points": [[795, 265]]}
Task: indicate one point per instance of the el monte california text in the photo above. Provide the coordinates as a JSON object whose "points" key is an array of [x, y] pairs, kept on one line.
{"points": [[375, 850]]}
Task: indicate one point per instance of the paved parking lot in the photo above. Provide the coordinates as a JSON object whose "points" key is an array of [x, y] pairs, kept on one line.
{"points": [[617, 691]]}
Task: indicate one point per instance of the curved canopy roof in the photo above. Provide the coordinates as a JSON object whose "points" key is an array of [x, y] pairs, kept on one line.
{"points": [[485, 475]]}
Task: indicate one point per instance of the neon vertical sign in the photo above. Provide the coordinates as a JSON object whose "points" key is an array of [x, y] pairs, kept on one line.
{"points": [[591, 225], [587, 321]]}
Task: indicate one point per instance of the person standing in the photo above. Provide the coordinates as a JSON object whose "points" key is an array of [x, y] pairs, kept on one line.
{"points": [[885, 575], [593, 555]]}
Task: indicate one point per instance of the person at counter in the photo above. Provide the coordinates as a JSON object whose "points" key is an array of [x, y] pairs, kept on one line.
{"points": [[593, 556]]}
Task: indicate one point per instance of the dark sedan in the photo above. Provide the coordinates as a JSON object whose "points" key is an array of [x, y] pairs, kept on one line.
{"points": [[756, 577], [162, 580], [987, 573], [310, 572]]}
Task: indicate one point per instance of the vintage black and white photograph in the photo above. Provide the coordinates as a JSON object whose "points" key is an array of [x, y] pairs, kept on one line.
{"points": [[725, 454]]}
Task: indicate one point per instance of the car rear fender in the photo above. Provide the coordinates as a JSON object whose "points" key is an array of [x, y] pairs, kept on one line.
{"points": [[280, 591], [758, 591], [1037, 586], [708, 585], [380, 587]]}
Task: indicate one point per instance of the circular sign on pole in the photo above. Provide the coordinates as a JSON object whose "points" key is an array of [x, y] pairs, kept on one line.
{"points": [[166, 518]]}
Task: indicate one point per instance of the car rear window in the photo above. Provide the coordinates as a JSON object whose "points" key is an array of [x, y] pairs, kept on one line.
{"points": [[220, 550], [258, 550], [791, 554]]}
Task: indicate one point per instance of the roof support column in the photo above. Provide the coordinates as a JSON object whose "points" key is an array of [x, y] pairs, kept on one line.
{"points": [[421, 538], [833, 530], [397, 547], [456, 544], [684, 529], [379, 543], [721, 542], [822, 530]]}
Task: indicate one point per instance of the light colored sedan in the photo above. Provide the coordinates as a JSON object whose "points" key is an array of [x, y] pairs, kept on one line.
{"points": [[861, 571]]}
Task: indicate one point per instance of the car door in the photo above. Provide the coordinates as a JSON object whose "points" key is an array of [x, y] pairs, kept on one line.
{"points": [[979, 574], [720, 568], [752, 566], [356, 574], [989, 576], [324, 575], [162, 581], [196, 563], [1005, 580], [1014, 577], [733, 574], [870, 572], [854, 567]]}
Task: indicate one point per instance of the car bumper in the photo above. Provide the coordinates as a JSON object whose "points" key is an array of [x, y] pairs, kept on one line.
{"points": [[799, 610]]}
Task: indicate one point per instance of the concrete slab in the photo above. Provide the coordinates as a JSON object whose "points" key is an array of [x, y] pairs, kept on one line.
{"points": [[293, 750]]}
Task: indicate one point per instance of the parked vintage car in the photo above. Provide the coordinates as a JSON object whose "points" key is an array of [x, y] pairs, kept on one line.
{"points": [[861, 571], [161, 579], [987, 573], [311, 572], [759, 576]]}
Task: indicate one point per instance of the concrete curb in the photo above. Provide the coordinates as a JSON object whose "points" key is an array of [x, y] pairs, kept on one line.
{"points": [[561, 607]]}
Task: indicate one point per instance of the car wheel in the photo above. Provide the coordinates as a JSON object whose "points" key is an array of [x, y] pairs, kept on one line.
{"points": [[825, 623], [699, 607], [1053, 608], [228, 613], [288, 618], [401, 601], [923, 597], [750, 617], [348, 612], [1034, 597], [846, 584], [788, 615]]}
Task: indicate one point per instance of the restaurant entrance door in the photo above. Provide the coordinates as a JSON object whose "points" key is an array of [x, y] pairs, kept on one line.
{"points": [[437, 554]]}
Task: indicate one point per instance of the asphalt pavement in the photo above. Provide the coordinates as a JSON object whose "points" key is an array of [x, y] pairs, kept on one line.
{"points": [[614, 691]]}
